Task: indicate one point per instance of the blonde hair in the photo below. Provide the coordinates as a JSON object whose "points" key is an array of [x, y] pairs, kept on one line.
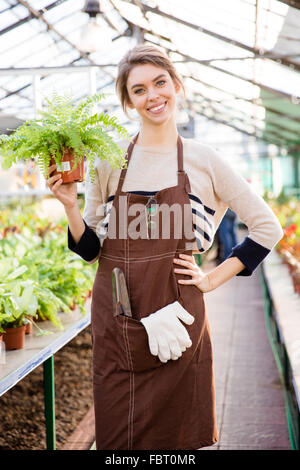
{"points": [[143, 54]]}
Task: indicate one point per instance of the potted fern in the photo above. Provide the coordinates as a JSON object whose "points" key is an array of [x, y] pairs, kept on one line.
{"points": [[65, 134]]}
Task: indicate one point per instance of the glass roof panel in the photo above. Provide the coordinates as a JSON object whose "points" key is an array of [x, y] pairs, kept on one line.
{"points": [[213, 48], [12, 15]]}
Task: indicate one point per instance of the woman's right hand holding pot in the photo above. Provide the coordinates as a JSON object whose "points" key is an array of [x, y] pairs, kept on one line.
{"points": [[66, 193]]}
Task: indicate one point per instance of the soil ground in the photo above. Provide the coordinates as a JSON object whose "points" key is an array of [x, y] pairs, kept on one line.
{"points": [[22, 419]]}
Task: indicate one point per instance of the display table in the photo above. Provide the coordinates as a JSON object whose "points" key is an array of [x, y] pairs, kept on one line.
{"points": [[284, 312], [39, 349]]}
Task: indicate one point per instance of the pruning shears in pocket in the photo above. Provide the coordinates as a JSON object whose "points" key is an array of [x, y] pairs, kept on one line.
{"points": [[121, 302]]}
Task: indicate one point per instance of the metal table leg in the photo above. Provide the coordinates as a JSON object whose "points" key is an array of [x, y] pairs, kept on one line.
{"points": [[49, 397]]}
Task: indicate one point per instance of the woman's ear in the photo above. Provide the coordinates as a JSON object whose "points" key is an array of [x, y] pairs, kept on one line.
{"points": [[177, 86]]}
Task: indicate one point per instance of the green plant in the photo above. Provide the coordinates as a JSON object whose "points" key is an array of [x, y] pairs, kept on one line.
{"points": [[35, 252], [39, 275], [17, 299], [65, 124], [10, 313]]}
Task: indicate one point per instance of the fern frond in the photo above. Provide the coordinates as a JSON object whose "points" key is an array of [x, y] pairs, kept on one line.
{"points": [[65, 124]]}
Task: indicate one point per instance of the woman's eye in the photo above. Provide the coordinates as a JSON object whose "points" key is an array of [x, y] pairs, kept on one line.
{"points": [[158, 83]]}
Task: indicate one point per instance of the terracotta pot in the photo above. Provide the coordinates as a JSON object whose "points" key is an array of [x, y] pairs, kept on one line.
{"points": [[69, 175], [14, 338], [29, 325], [28, 328]]}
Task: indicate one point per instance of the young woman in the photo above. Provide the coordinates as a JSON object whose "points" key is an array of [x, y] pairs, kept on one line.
{"points": [[153, 372]]}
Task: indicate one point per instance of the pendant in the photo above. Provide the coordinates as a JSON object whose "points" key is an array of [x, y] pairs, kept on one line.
{"points": [[151, 209]]}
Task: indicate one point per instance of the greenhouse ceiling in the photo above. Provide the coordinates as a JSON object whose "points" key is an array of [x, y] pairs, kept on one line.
{"points": [[240, 59]]}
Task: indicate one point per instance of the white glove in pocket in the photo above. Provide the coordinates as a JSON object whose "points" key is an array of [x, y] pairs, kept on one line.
{"points": [[167, 336]]}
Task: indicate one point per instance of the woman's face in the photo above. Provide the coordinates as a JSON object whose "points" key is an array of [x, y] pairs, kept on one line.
{"points": [[152, 93]]}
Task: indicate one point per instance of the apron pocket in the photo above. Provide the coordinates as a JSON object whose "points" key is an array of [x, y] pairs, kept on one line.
{"points": [[133, 345]]}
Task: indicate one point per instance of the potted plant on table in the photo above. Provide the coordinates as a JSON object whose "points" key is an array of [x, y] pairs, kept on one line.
{"points": [[17, 303], [65, 134], [12, 322]]}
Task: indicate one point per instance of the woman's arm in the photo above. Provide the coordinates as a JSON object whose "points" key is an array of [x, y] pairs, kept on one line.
{"points": [[76, 223], [207, 282], [264, 229], [82, 240], [263, 226], [225, 271]]}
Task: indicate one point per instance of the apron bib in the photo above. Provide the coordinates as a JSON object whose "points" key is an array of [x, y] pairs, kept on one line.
{"points": [[140, 402]]}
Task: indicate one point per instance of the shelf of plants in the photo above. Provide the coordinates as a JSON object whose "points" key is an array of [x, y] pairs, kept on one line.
{"points": [[281, 285], [44, 288], [39, 276]]}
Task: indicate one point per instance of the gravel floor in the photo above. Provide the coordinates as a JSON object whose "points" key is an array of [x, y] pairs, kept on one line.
{"points": [[22, 420]]}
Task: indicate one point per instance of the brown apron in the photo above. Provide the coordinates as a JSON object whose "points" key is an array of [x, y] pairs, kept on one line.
{"points": [[140, 402]]}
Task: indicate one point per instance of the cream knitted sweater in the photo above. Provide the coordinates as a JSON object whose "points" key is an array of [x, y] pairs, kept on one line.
{"points": [[215, 186]]}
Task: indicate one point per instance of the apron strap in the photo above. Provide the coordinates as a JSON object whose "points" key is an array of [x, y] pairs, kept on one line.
{"points": [[183, 180], [180, 172], [179, 155], [123, 172]]}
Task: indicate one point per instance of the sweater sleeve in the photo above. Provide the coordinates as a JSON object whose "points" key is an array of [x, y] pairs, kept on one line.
{"points": [[264, 228], [88, 247]]}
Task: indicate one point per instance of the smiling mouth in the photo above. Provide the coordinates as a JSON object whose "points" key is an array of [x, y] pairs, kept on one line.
{"points": [[157, 109]]}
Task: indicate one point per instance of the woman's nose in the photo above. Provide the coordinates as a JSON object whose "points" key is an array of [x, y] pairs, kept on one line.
{"points": [[152, 93]]}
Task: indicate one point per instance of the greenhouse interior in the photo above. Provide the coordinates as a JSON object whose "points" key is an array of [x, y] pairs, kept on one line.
{"points": [[94, 366]]}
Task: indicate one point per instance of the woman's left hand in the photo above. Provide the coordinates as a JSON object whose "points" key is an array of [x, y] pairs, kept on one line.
{"points": [[198, 277]]}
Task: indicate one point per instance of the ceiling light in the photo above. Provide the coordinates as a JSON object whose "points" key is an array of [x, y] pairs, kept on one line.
{"points": [[95, 36]]}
